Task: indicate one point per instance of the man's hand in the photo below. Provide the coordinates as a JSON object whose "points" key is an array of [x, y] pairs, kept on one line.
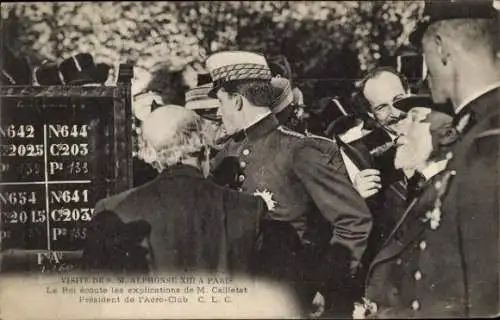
{"points": [[367, 182], [318, 305]]}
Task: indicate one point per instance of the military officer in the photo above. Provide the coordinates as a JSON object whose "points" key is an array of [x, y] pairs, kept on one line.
{"points": [[451, 268], [315, 205]]}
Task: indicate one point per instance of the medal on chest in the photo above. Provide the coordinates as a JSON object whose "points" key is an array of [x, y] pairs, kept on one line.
{"points": [[267, 196], [433, 216]]}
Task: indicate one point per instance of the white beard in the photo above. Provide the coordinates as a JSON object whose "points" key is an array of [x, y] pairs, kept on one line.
{"points": [[411, 156]]}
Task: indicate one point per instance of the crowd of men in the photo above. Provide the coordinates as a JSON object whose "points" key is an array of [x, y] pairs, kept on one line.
{"points": [[389, 214]]}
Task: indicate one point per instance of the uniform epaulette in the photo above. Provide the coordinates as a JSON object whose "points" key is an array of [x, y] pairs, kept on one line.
{"points": [[310, 135], [290, 132]]}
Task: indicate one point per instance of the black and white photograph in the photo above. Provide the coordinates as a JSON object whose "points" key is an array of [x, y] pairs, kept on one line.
{"points": [[250, 160]]}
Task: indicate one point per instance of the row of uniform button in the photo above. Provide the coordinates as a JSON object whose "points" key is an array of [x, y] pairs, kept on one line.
{"points": [[243, 165], [422, 245], [415, 305], [418, 275]]}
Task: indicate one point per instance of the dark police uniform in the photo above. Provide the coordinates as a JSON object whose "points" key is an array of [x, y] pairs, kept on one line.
{"points": [[316, 204], [191, 224]]}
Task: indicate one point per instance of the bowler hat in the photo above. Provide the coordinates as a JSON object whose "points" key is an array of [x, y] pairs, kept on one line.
{"points": [[408, 102], [451, 9], [48, 74], [77, 69], [100, 73], [81, 69], [413, 100]]}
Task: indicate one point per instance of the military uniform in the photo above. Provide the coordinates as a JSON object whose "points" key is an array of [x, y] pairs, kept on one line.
{"points": [[316, 231], [314, 200], [446, 264]]}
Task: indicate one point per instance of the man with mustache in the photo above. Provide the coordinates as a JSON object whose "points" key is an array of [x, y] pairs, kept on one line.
{"points": [[367, 141], [381, 87]]}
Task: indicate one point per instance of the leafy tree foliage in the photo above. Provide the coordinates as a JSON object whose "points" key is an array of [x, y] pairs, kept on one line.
{"points": [[323, 39]]}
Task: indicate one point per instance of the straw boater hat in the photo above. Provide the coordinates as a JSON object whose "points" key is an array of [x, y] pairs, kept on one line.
{"points": [[197, 98], [230, 66]]}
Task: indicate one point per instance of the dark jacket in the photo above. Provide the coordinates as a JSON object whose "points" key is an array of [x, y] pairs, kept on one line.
{"points": [[389, 203], [194, 224], [453, 270], [315, 202]]}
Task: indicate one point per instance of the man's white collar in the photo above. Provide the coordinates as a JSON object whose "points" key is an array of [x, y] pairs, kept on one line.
{"points": [[477, 95], [353, 134], [434, 168]]}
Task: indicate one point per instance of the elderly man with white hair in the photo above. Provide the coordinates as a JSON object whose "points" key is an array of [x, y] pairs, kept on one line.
{"points": [[426, 137], [182, 220]]}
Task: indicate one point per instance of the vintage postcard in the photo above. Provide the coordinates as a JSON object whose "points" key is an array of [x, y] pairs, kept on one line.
{"points": [[249, 159]]}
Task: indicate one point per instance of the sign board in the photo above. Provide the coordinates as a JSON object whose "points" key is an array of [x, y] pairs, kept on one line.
{"points": [[62, 148]]}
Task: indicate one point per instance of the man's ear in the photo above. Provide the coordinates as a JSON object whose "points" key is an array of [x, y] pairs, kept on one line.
{"points": [[238, 102], [442, 49]]}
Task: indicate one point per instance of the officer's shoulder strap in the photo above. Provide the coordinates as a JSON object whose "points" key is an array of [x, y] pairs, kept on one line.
{"points": [[289, 132], [310, 135]]}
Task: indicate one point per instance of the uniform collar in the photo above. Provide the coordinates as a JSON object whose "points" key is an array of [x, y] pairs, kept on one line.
{"points": [[476, 108], [181, 170], [258, 129], [476, 95]]}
